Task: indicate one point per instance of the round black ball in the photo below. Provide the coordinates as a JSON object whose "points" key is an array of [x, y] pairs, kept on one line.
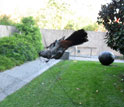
{"points": [[106, 58]]}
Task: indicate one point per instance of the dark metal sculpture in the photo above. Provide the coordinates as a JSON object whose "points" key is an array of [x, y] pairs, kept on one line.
{"points": [[57, 48], [106, 58]]}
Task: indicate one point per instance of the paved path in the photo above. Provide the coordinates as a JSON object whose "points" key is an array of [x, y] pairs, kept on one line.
{"points": [[91, 59], [13, 79]]}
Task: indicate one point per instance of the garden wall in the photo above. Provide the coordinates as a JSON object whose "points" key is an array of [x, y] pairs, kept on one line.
{"points": [[6, 30], [93, 47]]}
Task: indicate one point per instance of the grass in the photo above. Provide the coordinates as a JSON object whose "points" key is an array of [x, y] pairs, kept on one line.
{"points": [[73, 84]]}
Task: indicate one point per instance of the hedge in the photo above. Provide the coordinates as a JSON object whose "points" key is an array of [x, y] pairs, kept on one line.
{"points": [[22, 46]]}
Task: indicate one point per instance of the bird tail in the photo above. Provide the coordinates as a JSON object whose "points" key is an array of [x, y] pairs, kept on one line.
{"points": [[77, 37]]}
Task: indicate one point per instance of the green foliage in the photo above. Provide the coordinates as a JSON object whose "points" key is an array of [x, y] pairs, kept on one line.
{"points": [[87, 25], [112, 17], [18, 48], [5, 20], [70, 25], [91, 27], [54, 15], [23, 46], [58, 14], [6, 63]]}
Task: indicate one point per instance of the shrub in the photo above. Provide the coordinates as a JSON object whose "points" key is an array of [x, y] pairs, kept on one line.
{"points": [[6, 63], [112, 17], [30, 32], [17, 48], [23, 46]]}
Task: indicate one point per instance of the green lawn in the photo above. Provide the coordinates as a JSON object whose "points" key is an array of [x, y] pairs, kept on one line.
{"points": [[73, 84]]}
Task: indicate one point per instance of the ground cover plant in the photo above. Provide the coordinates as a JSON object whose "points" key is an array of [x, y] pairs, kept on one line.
{"points": [[22, 46], [73, 84]]}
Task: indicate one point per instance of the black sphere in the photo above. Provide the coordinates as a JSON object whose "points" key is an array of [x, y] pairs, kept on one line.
{"points": [[106, 58]]}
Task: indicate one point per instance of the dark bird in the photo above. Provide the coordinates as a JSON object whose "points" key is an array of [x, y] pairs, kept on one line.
{"points": [[57, 48]]}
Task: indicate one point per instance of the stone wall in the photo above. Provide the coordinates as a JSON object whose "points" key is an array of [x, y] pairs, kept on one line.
{"points": [[93, 47], [7, 30]]}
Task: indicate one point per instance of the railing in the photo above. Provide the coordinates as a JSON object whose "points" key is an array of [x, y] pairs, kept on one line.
{"points": [[76, 50]]}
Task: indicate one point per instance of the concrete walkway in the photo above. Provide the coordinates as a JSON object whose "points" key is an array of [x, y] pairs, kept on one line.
{"points": [[91, 59], [13, 79]]}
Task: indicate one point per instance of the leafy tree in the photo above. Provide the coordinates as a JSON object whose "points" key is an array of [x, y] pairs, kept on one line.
{"points": [[112, 17], [91, 27], [5, 20], [54, 15]]}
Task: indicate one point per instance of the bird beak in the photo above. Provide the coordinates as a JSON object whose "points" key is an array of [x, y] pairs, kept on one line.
{"points": [[86, 39], [45, 54]]}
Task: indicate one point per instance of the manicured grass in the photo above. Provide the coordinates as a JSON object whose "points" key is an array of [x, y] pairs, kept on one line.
{"points": [[73, 84]]}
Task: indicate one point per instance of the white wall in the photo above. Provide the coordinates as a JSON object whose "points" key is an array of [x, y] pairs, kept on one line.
{"points": [[96, 42], [7, 30]]}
